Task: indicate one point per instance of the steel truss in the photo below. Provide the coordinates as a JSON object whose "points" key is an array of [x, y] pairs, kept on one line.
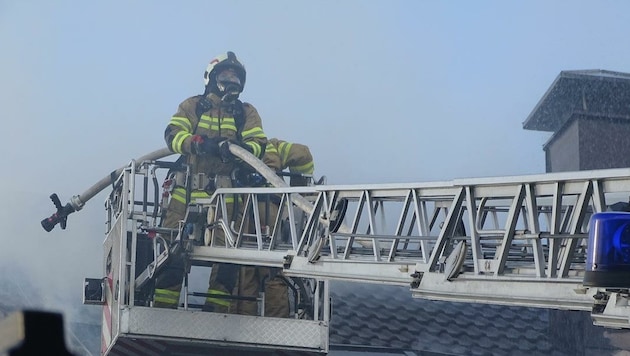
{"points": [[519, 240]]}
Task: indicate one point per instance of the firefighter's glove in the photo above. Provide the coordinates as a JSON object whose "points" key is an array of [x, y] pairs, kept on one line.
{"points": [[204, 145], [224, 151], [226, 154]]}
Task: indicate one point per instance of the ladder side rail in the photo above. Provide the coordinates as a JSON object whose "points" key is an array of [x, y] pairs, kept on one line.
{"points": [[138, 176], [126, 240], [112, 262], [136, 219], [119, 264]]}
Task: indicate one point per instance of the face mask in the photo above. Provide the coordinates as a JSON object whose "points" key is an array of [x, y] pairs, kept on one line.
{"points": [[228, 82]]}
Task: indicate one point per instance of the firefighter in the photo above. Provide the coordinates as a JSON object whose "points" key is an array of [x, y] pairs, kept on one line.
{"points": [[279, 155], [198, 131]]}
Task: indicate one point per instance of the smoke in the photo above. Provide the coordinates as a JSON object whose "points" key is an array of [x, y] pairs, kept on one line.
{"points": [[45, 271]]}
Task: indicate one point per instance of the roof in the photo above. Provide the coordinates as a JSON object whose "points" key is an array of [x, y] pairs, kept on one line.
{"points": [[373, 316], [598, 92]]}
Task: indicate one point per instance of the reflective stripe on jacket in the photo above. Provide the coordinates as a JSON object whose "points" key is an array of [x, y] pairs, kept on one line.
{"points": [[219, 121]]}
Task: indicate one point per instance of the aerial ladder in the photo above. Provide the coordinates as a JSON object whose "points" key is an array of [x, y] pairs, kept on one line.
{"points": [[528, 240]]}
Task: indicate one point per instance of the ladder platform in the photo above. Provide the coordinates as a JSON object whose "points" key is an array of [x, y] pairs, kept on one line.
{"points": [[156, 331]]}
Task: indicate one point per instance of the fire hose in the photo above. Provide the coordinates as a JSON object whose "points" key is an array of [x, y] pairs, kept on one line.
{"points": [[78, 201]]}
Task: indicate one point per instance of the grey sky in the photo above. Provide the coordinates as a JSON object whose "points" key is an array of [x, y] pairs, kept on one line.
{"points": [[382, 91]]}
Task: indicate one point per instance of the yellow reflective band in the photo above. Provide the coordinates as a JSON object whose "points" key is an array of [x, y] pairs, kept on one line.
{"points": [[218, 301], [270, 148], [199, 194], [166, 296], [179, 194], [305, 168], [284, 149], [230, 199], [228, 121], [207, 123], [213, 123], [178, 141], [253, 132], [284, 146], [226, 126], [256, 149], [182, 122], [210, 119]]}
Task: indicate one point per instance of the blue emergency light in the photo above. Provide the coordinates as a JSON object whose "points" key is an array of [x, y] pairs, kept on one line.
{"points": [[608, 256]]}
